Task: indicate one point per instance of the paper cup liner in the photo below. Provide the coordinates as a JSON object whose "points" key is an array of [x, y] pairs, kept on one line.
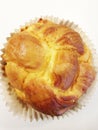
{"points": [[26, 111]]}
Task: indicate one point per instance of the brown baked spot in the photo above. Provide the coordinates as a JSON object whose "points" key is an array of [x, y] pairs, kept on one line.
{"points": [[50, 30], [72, 38]]}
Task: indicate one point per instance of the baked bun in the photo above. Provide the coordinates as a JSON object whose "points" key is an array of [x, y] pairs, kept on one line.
{"points": [[48, 66]]}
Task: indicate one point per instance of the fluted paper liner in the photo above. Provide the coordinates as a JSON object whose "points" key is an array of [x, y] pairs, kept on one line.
{"points": [[26, 111]]}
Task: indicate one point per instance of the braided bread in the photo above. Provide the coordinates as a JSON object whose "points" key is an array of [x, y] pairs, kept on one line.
{"points": [[48, 66]]}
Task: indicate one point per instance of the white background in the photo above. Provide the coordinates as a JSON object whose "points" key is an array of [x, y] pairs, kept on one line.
{"points": [[14, 13]]}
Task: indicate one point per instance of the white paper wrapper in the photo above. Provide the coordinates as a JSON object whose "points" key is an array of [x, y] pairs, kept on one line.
{"points": [[27, 112]]}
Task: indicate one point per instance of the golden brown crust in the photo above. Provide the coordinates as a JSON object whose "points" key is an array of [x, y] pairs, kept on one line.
{"points": [[48, 66]]}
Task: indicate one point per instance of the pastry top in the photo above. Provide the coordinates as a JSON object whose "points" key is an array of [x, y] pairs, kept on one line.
{"points": [[49, 66]]}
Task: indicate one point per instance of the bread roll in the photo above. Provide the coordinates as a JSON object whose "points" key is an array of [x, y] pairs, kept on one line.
{"points": [[48, 66]]}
